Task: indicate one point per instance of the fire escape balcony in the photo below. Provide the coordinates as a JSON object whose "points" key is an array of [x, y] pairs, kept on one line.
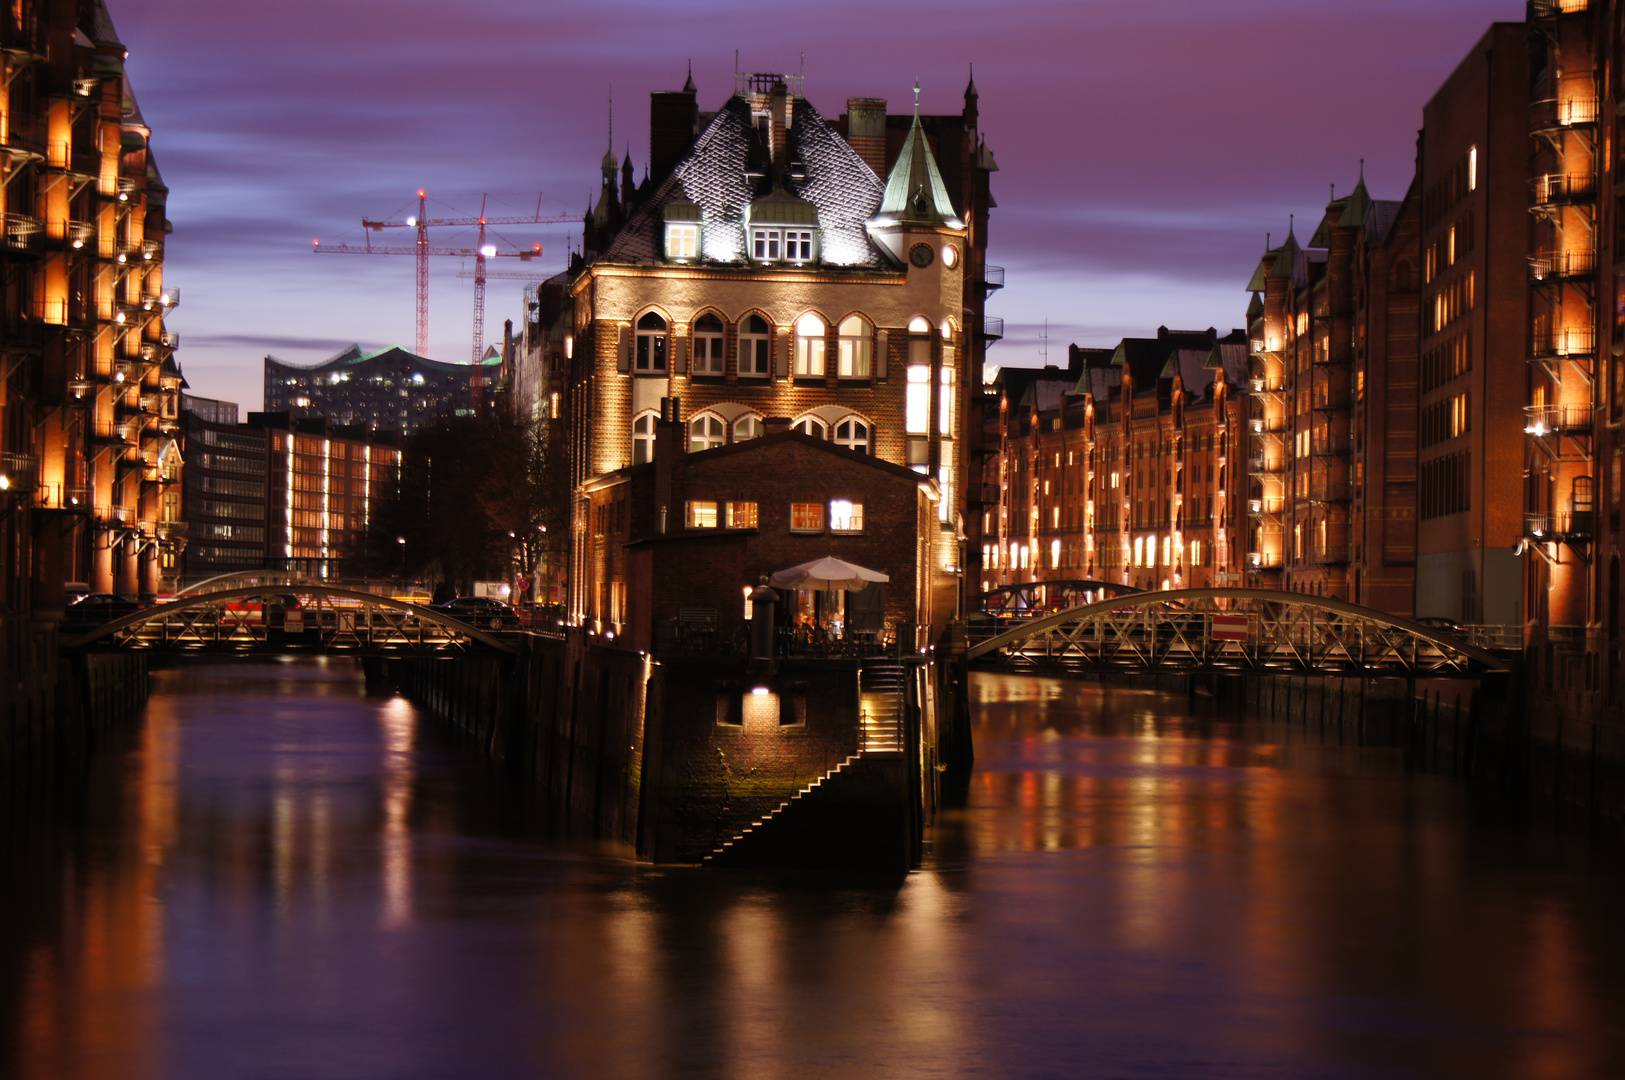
{"points": [[1268, 508], [1329, 554], [1554, 116], [1258, 385], [1574, 528], [1555, 9], [65, 498], [992, 328], [1264, 560], [1267, 425], [1543, 420], [22, 141], [160, 301], [991, 279], [173, 530], [1575, 345], [1554, 190], [1261, 465], [19, 474], [82, 162], [1559, 266], [23, 233]]}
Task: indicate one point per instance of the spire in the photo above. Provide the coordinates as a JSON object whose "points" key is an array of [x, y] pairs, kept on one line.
{"points": [[914, 190], [970, 87], [688, 85], [1359, 201]]}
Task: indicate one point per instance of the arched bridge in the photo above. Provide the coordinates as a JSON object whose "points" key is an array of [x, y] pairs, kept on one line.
{"points": [[327, 619], [1240, 630], [1021, 596]]}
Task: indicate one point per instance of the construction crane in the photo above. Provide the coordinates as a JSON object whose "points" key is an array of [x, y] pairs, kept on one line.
{"points": [[421, 249]]}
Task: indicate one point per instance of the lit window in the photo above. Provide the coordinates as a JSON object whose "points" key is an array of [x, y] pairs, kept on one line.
{"points": [[1472, 169], [810, 345], [845, 516], [643, 439], [1054, 554], [704, 433], [811, 425], [682, 241], [755, 342], [702, 515], [708, 339], [917, 407], [918, 325], [945, 403], [854, 349], [747, 427], [806, 517], [852, 434], [651, 354], [741, 515]]}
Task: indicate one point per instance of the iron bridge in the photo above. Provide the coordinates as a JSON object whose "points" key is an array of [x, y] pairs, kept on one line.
{"points": [[1022, 596], [1231, 630], [331, 620]]}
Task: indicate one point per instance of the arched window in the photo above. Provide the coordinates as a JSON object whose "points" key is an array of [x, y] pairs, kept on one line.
{"points": [[809, 345], [651, 355], [918, 325], [811, 425], [708, 338], [705, 432], [853, 349], [748, 426], [853, 434], [755, 347], [643, 439]]}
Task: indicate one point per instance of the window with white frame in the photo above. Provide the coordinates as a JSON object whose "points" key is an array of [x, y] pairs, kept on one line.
{"points": [[845, 516], [811, 425], [748, 426], [651, 351], [708, 346], [767, 244], [945, 402], [755, 347], [705, 432], [643, 439], [798, 245], [853, 348], [682, 241], [809, 345], [702, 514], [852, 434], [917, 402]]}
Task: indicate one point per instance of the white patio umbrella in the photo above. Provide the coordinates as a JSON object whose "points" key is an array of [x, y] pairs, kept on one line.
{"points": [[826, 575]]}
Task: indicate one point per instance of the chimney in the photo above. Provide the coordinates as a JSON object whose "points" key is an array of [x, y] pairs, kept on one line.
{"points": [[866, 131], [673, 119], [778, 108]]}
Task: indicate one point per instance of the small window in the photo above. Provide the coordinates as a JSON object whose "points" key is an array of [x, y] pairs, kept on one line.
{"points": [[845, 516], [643, 439], [708, 345], [854, 349], [651, 354], [705, 433], [918, 325], [682, 241], [766, 244], [742, 515], [748, 427], [798, 245], [702, 515], [811, 425], [917, 404], [810, 346], [755, 345], [807, 517], [852, 434]]}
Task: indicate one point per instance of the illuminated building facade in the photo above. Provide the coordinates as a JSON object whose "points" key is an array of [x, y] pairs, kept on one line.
{"points": [[391, 390], [783, 266], [225, 499], [1119, 468], [91, 468], [323, 480]]}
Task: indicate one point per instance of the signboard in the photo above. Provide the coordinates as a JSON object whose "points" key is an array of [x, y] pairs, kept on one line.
{"points": [[346, 622], [1229, 628]]}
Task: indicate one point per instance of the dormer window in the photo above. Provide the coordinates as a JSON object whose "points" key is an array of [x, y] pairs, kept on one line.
{"points": [[782, 245], [783, 229], [683, 230]]}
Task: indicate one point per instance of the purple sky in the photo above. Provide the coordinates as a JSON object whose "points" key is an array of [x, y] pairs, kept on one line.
{"points": [[1145, 148]]}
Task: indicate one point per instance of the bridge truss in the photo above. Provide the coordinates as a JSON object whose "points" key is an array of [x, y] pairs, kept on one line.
{"points": [[1234, 630], [1023, 596], [329, 620]]}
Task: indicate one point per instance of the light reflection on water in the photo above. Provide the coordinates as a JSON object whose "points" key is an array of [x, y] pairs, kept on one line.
{"points": [[282, 877]]}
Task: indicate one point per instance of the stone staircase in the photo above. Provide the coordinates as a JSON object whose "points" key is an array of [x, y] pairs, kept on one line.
{"points": [[747, 837], [880, 707]]}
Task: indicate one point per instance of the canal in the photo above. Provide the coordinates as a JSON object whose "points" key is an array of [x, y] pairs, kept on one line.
{"points": [[279, 876]]}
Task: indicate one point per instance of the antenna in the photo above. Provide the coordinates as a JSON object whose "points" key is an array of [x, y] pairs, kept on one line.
{"points": [[916, 95], [1045, 340]]}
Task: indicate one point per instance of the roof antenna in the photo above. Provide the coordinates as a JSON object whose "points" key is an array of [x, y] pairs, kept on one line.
{"points": [[1362, 170], [1266, 243], [1045, 340], [916, 95]]}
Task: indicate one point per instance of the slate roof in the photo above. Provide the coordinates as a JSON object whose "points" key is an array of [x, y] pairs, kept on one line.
{"points": [[1229, 358], [1145, 358], [99, 26], [1190, 365], [1381, 217], [729, 167]]}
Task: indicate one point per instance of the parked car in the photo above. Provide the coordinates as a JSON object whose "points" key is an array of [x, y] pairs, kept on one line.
{"points": [[480, 611], [98, 608]]}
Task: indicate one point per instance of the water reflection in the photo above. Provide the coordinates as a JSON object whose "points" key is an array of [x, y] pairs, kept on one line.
{"points": [[279, 876]]}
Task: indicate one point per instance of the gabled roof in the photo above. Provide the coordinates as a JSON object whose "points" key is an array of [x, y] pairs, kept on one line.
{"points": [[1190, 366], [1229, 360], [1380, 218], [1145, 358], [914, 190], [728, 168]]}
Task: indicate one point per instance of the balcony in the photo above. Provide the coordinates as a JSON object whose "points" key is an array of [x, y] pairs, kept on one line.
{"points": [[19, 474], [1266, 425], [992, 329], [1556, 9], [68, 499], [173, 530], [1550, 266], [1264, 466], [1561, 189], [160, 301], [1543, 420], [23, 232], [1266, 386], [22, 141], [1555, 115], [1329, 554], [1264, 560], [991, 279], [1549, 528], [1573, 343], [1267, 507]]}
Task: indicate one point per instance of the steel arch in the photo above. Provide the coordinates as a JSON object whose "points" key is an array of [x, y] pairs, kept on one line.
{"points": [[1115, 588], [1286, 631], [194, 632]]}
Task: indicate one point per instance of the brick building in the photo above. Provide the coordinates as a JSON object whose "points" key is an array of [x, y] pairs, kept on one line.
{"points": [[88, 381], [776, 264], [322, 482], [690, 532]]}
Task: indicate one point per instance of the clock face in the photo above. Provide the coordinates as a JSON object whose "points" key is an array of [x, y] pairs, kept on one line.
{"points": [[921, 255]]}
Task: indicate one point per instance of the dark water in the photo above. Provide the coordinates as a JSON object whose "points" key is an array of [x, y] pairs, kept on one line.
{"points": [[280, 877]]}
